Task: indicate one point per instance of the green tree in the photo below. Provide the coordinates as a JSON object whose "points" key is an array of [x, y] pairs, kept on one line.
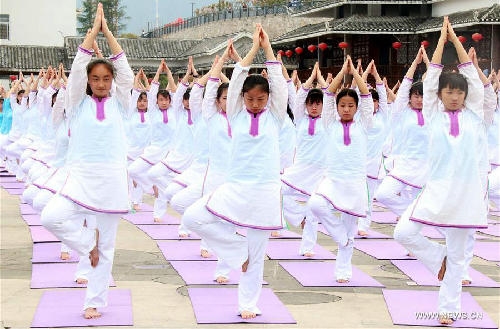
{"points": [[114, 11]]}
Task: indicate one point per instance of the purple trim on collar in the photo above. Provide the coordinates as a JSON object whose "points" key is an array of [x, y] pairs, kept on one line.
{"points": [[346, 127], [254, 122], [214, 79], [464, 65], [116, 57], [454, 125], [190, 121], [413, 219], [141, 113], [100, 108], [437, 66], [165, 114], [224, 114], [409, 79], [340, 209], [420, 116], [312, 124], [273, 63], [85, 51]]}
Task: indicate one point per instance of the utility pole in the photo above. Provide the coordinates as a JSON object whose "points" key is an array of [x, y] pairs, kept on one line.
{"points": [[157, 15], [192, 8]]}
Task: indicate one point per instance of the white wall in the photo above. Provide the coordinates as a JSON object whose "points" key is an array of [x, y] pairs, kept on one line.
{"points": [[447, 7], [38, 22]]}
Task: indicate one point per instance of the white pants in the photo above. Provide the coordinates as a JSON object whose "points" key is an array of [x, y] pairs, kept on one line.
{"points": [[138, 171], [63, 218], [342, 228], [36, 171], [469, 251], [233, 249], [30, 193], [42, 199], [309, 234], [364, 223], [395, 195], [160, 176], [26, 164], [494, 187], [172, 189], [431, 254]]}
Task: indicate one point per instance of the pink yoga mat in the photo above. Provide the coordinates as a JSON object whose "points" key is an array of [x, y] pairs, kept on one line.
{"points": [[12, 185], [200, 272], [431, 232], [56, 276], [26, 209], [487, 250], [40, 234], [165, 232], [409, 307], [32, 220], [50, 253], [182, 250], [145, 208], [382, 249], [416, 271], [11, 179], [63, 308], [384, 217], [220, 305], [146, 218], [285, 234], [15, 191], [322, 274], [277, 249], [371, 234], [491, 230]]}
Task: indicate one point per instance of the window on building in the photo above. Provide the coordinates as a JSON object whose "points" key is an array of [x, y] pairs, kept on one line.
{"points": [[4, 26]]}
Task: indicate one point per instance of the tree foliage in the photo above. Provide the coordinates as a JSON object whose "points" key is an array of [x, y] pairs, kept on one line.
{"points": [[114, 11]]}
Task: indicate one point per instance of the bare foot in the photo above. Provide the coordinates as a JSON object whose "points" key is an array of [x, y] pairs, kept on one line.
{"points": [[91, 313], [308, 254], [136, 207], [409, 254], [183, 235], [275, 234], [157, 220], [443, 319], [248, 315], [244, 267], [222, 279], [397, 218], [303, 223], [466, 282], [442, 271], [205, 253], [155, 191], [82, 281], [362, 233], [342, 281], [134, 183], [94, 253], [65, 255]]}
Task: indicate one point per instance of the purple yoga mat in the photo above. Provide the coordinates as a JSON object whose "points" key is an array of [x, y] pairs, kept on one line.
{"points": [[290, 250], [145, 208], [146, 218], [493, 221], [220, 305], [11, 179], [406, 307], [40, 234], [491, 230], [200, 272], [382, 249], [322, 274], [182, 250], [32, 220], [371, 234], [487, 250], [15, 191], [56, 276], [63, 308], [285, 234], [26, 209], [6, 174], [384, 217], [50, 253], [416, 271], [165, 232], [12, 185]]}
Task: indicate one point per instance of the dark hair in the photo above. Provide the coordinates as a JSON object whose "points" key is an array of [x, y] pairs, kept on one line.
{"points": [[93, 63], [54, 97], [164, 93], [220, 90], [314, 95], [453, 81], [22, 91], [347, 92], [290, 113], [186, 95], [375, 95], [417, 88], [143, 93], [255, 81]]}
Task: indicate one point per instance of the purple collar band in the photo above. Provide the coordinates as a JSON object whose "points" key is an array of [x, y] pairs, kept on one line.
{"points": [[254, 124], [100, 107], [420, 116]]}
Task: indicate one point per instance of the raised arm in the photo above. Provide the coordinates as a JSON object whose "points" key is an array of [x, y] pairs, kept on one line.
{"points": [[58, 109], [366, 101]]}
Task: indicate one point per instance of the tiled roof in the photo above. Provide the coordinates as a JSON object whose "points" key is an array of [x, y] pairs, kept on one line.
{"points": [[13, 58]]}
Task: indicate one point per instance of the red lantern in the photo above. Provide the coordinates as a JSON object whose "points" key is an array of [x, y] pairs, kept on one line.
{"points": [[311, 48], [281, 52], [477, 37], [396, 45], [299, 50], [425, 43], [343, 45], [289, 53], [150, 79], [13, 77], [322, 46], [462, 39]]}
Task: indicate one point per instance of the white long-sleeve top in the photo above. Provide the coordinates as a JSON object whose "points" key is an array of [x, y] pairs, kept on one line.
{"points": [[494, 135], [138, 132], [18, 110]]}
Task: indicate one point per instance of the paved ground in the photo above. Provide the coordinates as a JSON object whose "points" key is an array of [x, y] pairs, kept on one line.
{"points": [[159, 295]]}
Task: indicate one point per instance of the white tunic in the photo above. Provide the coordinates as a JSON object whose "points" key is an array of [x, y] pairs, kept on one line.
{"points": [[288, 136], [17, 128], [493, 136], [97, 151], [138, 132], [251, 195], [454, 194], [344, 185]]}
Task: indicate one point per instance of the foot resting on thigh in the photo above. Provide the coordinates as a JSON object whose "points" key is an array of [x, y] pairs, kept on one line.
{"points": [[82, 281], [442, 271], [248, 315], [275, 234], [94, 253], [205, 254], [362, 233], [65, 255], [222, 279], [466, 282], [91, 313]]}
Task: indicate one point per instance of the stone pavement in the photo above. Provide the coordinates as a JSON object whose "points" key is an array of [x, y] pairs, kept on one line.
{"points": [[159, 295]]}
